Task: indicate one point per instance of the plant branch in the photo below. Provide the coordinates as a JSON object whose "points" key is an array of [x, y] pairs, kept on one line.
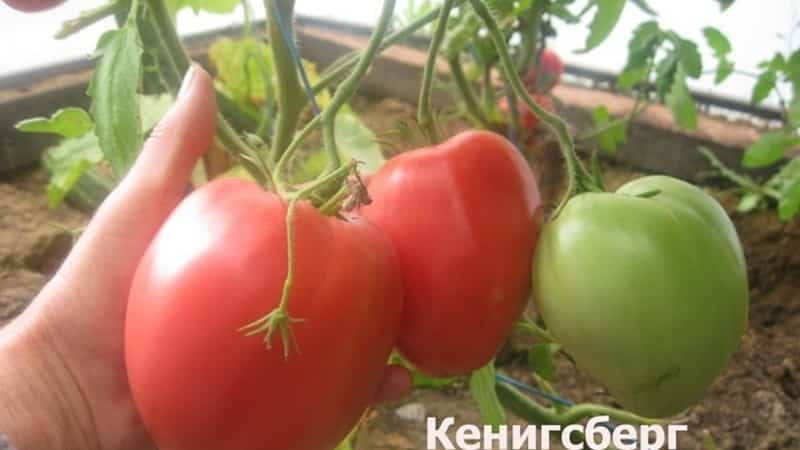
{"points": [[89, 17], [339, 68], [742, 180], [425, 112], [578, 178], [290, 93], [465, 89], [349, 86]]}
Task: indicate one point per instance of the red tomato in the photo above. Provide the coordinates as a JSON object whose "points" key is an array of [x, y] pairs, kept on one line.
{"points": [[32, 5], [546, 73], [219, 263], [464, 217], [528, 119]]}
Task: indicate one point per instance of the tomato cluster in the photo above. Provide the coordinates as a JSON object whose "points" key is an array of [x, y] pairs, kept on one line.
{"points": [[450, 232]]}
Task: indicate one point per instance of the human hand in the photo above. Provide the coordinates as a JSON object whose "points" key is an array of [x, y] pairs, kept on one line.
{"points": [[64, 357]]}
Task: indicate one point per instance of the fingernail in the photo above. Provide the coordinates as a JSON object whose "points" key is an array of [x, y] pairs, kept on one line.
{"points": [[187, 80]]}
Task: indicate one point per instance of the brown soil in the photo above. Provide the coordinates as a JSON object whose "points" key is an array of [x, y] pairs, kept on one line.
{"points": [[755, 405]]}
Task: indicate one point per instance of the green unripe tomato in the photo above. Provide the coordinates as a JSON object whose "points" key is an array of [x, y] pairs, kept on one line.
{"points": [[646, 288]]}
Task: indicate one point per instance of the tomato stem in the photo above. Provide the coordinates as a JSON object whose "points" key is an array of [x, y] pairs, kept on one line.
{"points": [[289, 92], [465, 89], [425, 109], [89, 17], [578, 177]]}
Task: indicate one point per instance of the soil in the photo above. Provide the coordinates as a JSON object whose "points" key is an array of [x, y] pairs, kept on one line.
{"points": [[755, 405]]}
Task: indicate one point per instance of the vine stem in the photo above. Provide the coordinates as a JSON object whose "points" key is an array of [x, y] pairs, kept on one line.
{"points": [[425, 111], [88, 18], [465, 89], [180, 62], [577, 175], [339, 68], [349, 86], [289, 92]]}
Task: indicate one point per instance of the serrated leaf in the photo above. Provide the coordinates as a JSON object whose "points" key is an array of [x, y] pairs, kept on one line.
{"points": [[540, 360], [769, 149], [680, 101], [789, 205], [356, 141], [67, 122], [115, 101], [647, 9], [690, 58], [482, 387], [718, 42], [641, 48], [606, 16], [67, 162], [212, 6], [610, 138], [764, 86]]}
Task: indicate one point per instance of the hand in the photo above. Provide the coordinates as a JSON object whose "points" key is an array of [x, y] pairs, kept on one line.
{"points": [[62, 361]]}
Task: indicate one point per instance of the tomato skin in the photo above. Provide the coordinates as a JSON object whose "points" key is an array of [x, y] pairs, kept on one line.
{"points": [[33, 5], [464, 218], [528, 119], [649, 295], [546, 74], [219, 263]]}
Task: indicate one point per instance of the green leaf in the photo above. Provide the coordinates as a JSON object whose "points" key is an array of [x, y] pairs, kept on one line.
{"points": [[612, 136], [68, 122], [789, 205], [764, 86], [356, 141], [749, 202], [665, 73], [212, 6], [642, 4], [690, 58], [724, 70], [641, 49], [605, 19], [769, 149], [725, 4], [794, 112], [67, 162], [680, 101], [482, 386], [540, 360], [153, 108], [115, 102], [718, 42]]}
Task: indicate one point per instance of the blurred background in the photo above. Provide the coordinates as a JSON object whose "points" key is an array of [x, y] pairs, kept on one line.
{"points": [[755, 27]]}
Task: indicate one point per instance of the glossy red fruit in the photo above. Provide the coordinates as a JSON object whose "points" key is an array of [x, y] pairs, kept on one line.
{"points": [[527, 118], [219, 263], [546, 73], [32, 5], [464, 217]]}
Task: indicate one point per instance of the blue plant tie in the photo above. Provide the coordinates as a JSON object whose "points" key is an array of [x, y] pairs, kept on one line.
{"points": [[295, 53]]}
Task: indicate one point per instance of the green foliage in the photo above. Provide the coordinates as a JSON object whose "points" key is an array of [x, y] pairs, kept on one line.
{"points": [[67, 162], [721, 47], [115, 103], [68, 122], [606, 16], [482, 387], [611, 135], [769, 148], [680, 101], [356, 141]]}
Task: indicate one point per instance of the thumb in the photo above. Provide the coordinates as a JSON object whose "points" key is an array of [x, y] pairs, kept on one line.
{"points": [[128, 219]]}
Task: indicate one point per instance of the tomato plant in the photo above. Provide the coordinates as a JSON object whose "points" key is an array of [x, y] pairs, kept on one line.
{"points": [[219, 262], [464, 218], [646, 288], [32, 5]]}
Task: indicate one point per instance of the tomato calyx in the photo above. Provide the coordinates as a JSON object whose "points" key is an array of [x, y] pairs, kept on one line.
{"points": [[279, 320]]}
